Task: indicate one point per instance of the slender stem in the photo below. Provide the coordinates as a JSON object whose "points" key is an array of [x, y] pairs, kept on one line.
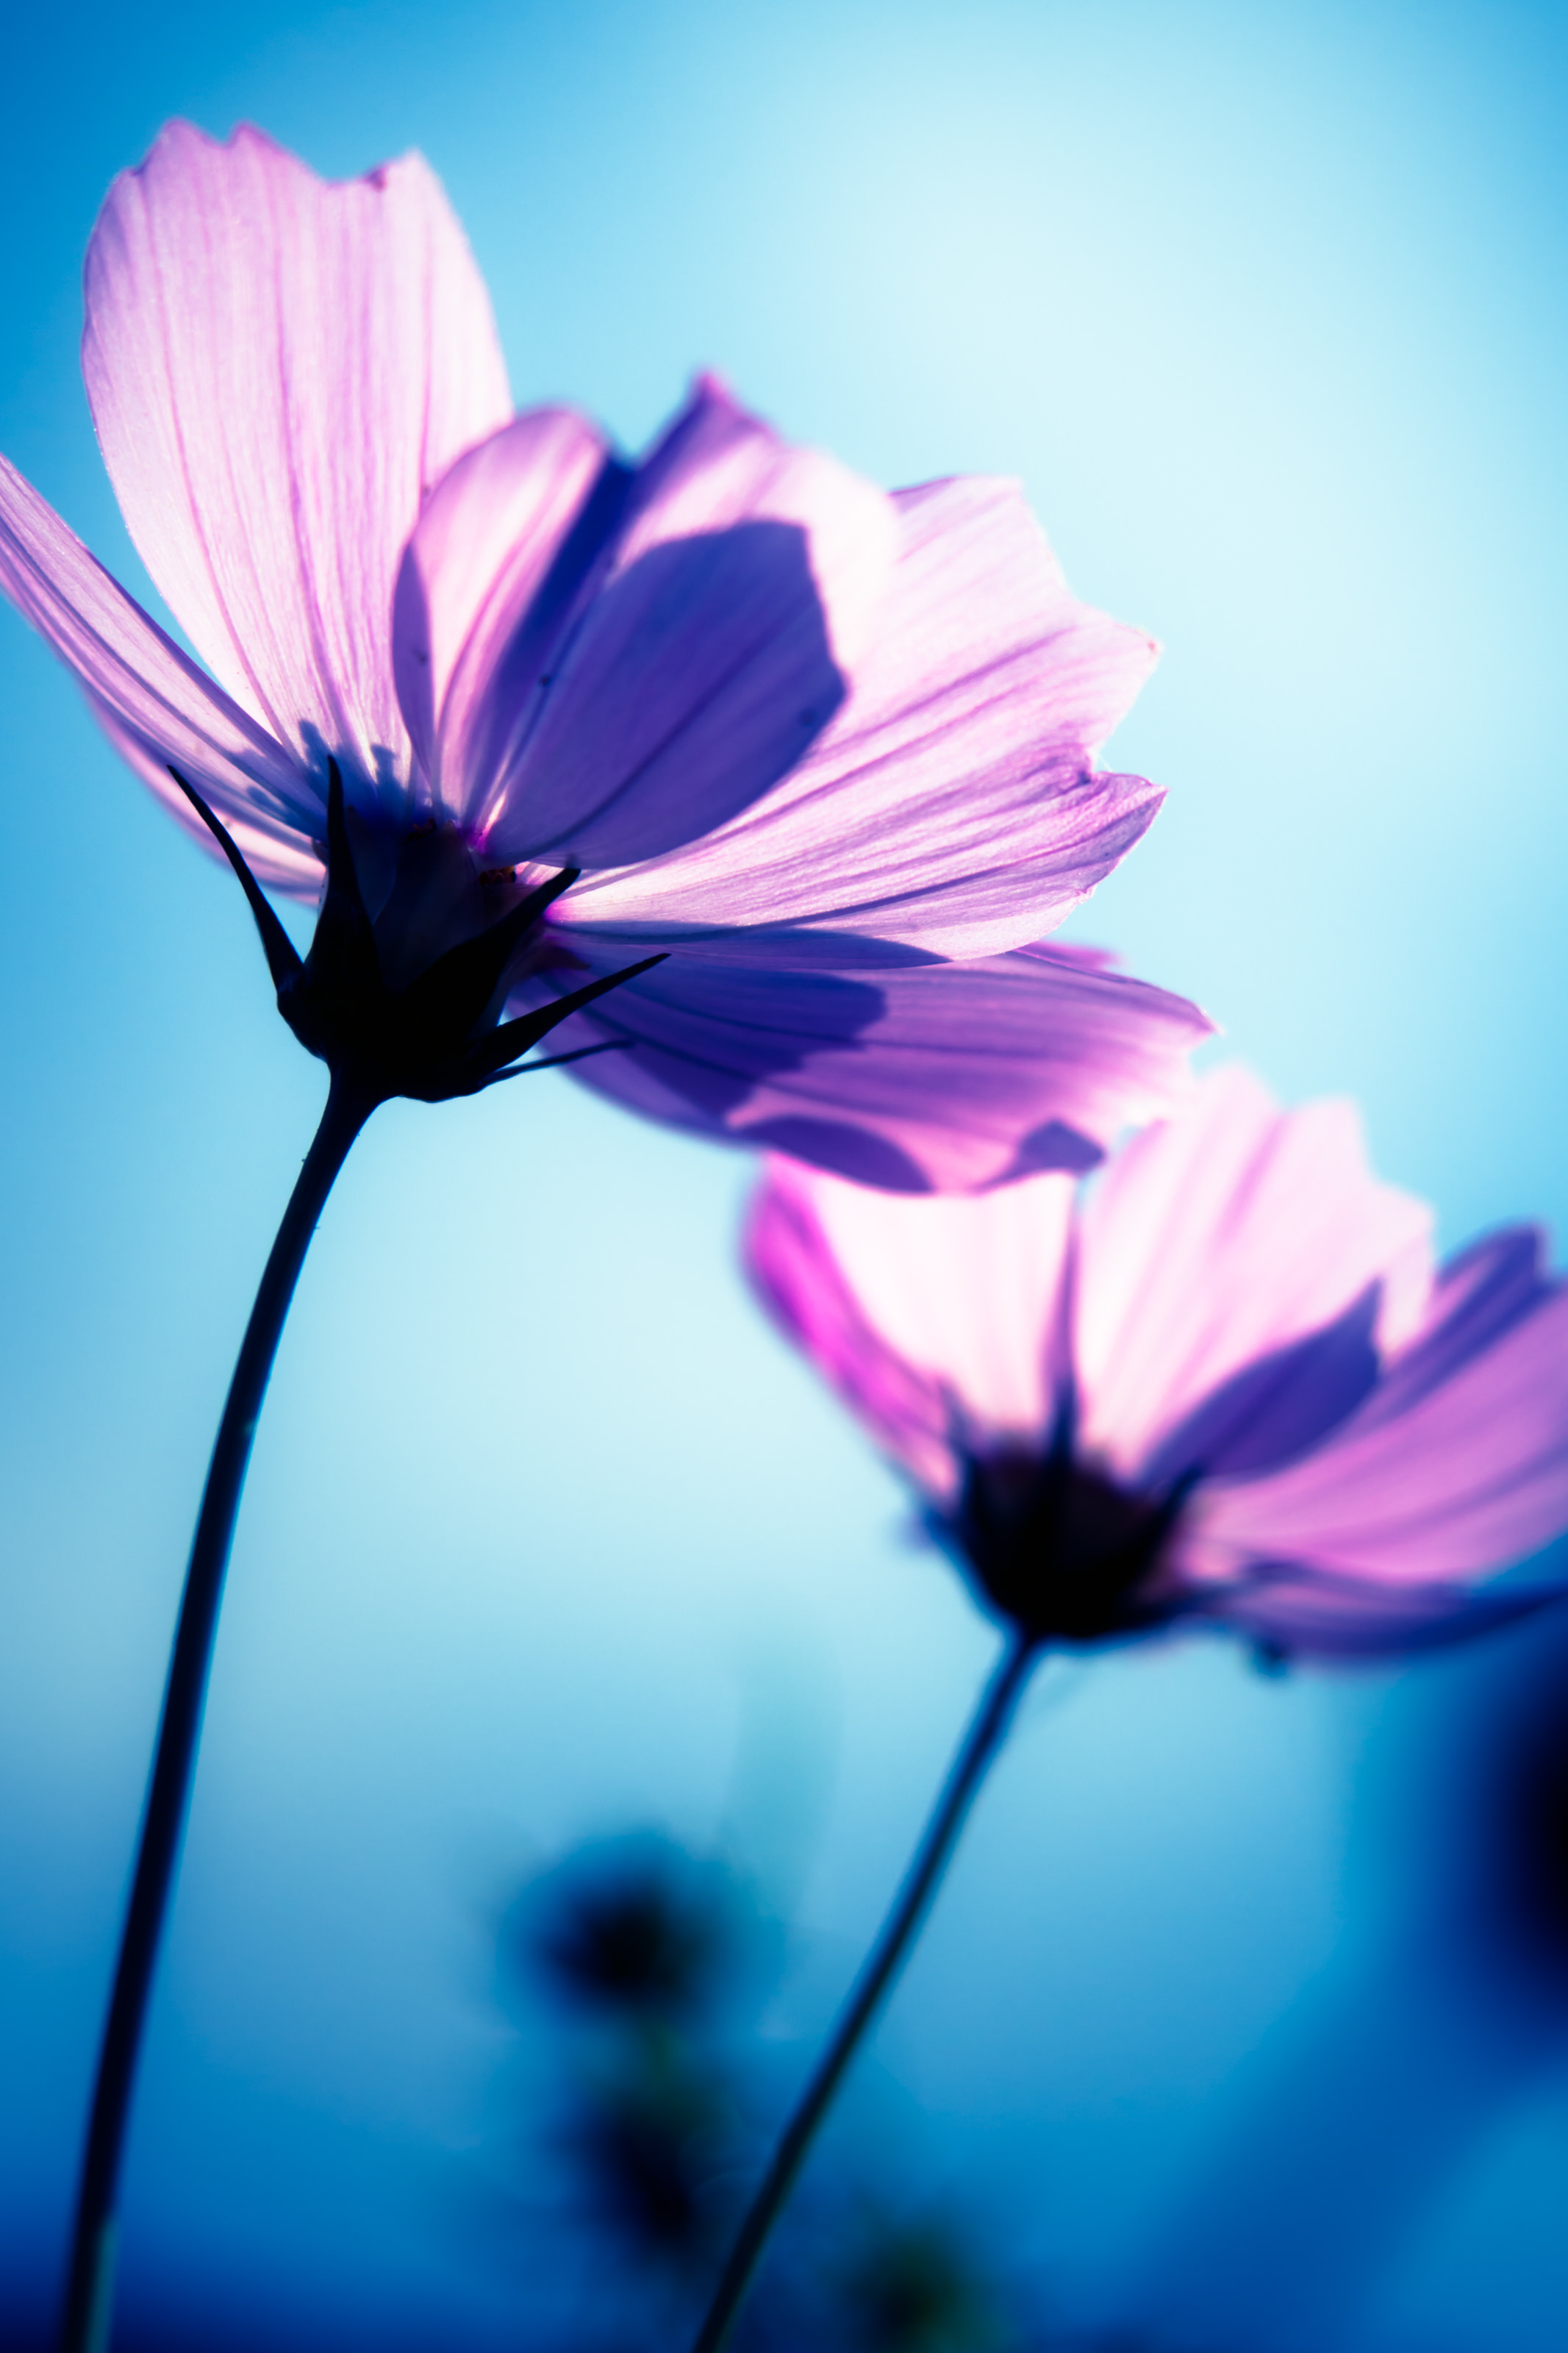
{"points": [[986, 1732], [89, 2293]]}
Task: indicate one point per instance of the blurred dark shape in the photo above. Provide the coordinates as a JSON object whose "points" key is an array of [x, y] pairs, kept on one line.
{"points": [[916, 2287], [663, 1962], [656, 1956], [1367, 2101], [638, 1928], [655, 2143], [1509, 1804]]}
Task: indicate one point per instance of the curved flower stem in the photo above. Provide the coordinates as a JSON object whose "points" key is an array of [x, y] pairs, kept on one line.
{"points": [[90, 2290], [986, 1732]]}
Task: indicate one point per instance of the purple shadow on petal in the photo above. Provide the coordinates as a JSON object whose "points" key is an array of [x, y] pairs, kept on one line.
{"points": [[1052, 1149], [783, 950], [520, 684], [853, 1152], [1276, 1408], [374, 793], [766, 1023], [670, 701], [533, 643], [1481, 1294], [1293, 1606]]}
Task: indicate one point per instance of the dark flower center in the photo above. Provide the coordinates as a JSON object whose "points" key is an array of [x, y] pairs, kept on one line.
{"points": [[395, 1004], [1064, 1552]]}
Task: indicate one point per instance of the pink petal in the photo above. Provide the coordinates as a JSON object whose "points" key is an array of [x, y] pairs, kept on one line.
{"points": [[280, 368], [279, 854], [1472, 1477], [940, 1078], [1276, 1406], [1221, 1239], [716, 466], [793, 1266], [1494, 1284], [958, 1294], [1338, 1617], [488, 540], [155, 705], [700, 659], [951, 804]]}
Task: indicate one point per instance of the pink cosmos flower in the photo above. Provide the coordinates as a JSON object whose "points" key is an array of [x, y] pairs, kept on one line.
{"points": [[1228, 1384], [804, 740]]}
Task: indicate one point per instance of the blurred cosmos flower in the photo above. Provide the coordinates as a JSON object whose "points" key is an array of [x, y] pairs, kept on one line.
{"points": [[657, 1955], [647, 1948], [914, 2287], [1229, 1384], [638, 1928], [803, 739]]}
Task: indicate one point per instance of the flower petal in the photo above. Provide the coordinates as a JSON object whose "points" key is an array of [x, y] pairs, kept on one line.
{"points": [[1275, 1405], [1221, 1237], [798, 1267], [951, 805], [1472, 1477], [155, 703], [280, 368], [491, 536], [917, 1309], [928, 1078], [702, 659], [277, 851], [1308, 1615], [1477, 1295]]}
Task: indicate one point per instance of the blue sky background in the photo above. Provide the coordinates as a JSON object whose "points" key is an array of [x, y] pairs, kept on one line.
{"points": [[545, 1533]]}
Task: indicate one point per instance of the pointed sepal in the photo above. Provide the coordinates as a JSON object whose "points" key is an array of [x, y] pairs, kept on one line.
{"points": [[489, 1055], [283, 958], [342, 952], [454, 991]]}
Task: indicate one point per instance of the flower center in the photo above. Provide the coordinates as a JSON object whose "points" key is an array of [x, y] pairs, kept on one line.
{"points": [[1064, 1552], [408, 999]]}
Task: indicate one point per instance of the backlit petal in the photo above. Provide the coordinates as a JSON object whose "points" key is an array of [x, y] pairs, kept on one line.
{"points": [[488, 539], [155, 703], [914, 1307], [703, 656], [280, 368], [924, 1078], [1222, 1237], [814, 1293], [1477, 1295], [1313, 1616], [1472, 1477], [952, 803]]}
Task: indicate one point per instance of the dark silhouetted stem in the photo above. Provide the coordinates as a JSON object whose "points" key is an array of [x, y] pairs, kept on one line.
{"points": [[89, 2293], [981, 1742]]}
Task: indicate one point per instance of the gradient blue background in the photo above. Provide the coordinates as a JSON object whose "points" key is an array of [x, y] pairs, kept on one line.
{"points": [[545, 1533]]}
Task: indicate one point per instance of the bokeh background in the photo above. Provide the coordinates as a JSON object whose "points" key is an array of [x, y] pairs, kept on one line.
{"points": [[1243, 2021]]}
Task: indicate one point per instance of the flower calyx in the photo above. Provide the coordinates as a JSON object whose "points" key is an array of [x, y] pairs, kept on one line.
{"points": [[1062, 1550], [434, 1039]]}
